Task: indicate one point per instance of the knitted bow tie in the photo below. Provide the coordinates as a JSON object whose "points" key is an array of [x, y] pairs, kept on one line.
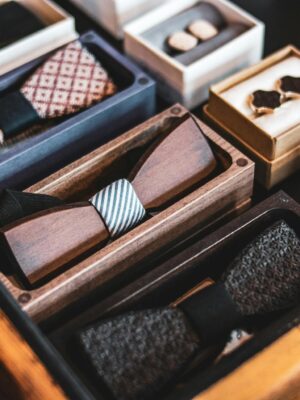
{"points": [[140, 353], [69, 81], [172, 165]]}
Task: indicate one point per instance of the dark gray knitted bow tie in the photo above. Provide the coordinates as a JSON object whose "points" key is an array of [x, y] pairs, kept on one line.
{"points": [[138, 353]]}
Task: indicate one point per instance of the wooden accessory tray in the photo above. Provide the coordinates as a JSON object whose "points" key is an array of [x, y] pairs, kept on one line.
{"points": [[265, 368], [226, 192]]}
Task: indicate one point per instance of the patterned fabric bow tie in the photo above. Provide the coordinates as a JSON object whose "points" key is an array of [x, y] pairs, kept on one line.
{"points": [[69, 81]]}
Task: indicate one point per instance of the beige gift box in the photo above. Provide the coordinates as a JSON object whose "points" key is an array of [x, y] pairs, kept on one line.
{"points": [[114, 14], [276, 157], [59, 30], [190, 84]]}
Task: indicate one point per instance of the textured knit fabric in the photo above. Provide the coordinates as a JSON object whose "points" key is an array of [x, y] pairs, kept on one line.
{"points": [[70, 80], [15, 205], [119, 207], [138, 353], [265, 276]]}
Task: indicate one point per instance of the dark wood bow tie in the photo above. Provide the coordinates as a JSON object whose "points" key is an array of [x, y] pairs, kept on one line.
{"points": [[46, 241]]}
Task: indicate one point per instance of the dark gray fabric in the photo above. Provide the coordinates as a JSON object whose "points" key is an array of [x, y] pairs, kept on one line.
{"points": [[139, 352], [265, 276], [16, 113]]}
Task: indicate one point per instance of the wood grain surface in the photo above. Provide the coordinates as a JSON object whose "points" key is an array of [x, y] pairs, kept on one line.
{"points": [[273, 374], [47, 241], [226, 190], [22, 375], [182, 159]]}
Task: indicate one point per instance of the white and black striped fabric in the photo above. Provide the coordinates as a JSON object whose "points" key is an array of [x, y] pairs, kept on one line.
{"points": [[119, 207]]}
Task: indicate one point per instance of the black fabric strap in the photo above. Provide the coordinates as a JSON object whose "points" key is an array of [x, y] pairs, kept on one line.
{"points": [[15, 205], [16, 22], [16, 114], [212, 313]]}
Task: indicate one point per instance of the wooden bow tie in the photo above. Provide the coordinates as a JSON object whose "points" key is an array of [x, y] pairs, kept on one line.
{"points": [[69, 81], [43, 243]]}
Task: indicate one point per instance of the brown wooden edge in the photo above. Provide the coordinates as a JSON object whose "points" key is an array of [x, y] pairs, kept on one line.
{"points": [[28, 377], [267, 173], [272, 374], [232, 187]]}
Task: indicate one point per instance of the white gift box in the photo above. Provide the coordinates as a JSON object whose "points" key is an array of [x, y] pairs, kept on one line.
{"points": [[114, 14], [59, 30], [190, 84]]}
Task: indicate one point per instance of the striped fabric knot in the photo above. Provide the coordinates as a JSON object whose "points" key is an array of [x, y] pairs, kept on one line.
{"points": [[119, 207]]}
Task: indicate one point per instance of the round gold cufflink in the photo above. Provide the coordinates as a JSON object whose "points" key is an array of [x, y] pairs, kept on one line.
{"points": [[265, 102], [202, 29], [182, 41], [289, 87]]}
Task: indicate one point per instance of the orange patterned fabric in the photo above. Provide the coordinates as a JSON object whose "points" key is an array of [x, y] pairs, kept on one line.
{"points": [[69, 81]]}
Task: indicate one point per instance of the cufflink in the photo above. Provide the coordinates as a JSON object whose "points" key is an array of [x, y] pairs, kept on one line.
{"points": [[202, 29], [289, 87], [265, 102], [182, 41]]}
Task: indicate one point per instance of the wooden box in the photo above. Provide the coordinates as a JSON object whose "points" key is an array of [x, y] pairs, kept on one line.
{"points": [[30, 157], [276, 156], [59, 30], [113, 15], [189, 84], [118, 262], [264, 368]]}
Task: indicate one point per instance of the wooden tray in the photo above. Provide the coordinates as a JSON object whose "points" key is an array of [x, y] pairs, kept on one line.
{"points": [[120, 261], [265, 368]]}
